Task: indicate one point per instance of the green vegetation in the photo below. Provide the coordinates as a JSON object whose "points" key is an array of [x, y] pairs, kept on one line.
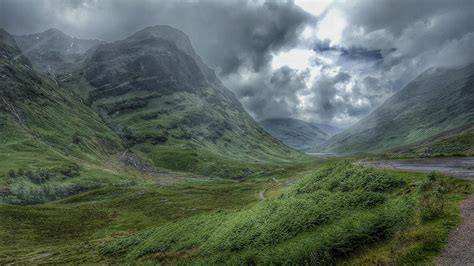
{"points": [[334, 213], [457, 142], [176, 115], [338, 213], [72, 230], [69, 195], [437, 101], [52, 145]]}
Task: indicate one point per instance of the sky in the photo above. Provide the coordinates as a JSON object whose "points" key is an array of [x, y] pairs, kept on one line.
{"points": [[327, 61]]}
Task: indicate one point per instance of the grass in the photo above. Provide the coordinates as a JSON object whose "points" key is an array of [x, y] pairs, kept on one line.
{"points": [[330, 213], [459, 143], [337, 213], [83, 221], [323, 219], [422, 241], [75, 203]]}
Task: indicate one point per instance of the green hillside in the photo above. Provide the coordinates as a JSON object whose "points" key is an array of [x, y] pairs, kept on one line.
{"points": [[455, 142], [436, 101], [158, 95], [52, 145]]}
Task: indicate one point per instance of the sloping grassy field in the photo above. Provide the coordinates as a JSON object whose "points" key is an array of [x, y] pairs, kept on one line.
{"points": [[336, 212]]}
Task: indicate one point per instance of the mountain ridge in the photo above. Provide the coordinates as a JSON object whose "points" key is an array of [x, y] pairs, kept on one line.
{"points": [[168, 107], [54, 51], [437, 100], [52, 144]]}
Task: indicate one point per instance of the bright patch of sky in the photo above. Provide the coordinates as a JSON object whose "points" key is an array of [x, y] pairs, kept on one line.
{"points": [[314, 7], [331, 26], [297, 59]]}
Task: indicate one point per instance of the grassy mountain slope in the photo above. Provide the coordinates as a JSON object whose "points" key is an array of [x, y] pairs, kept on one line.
{"points": [[53, 50], [170, 107], [52, 145], [455, 142], [295, 133], [436, 101]]}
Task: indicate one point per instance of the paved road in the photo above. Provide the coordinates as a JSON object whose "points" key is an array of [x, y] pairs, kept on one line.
{"points": [[458, 167], [460, 247]]}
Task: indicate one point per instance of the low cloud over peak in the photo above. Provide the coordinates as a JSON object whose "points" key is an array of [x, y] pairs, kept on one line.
{"points": [[284, 58]]}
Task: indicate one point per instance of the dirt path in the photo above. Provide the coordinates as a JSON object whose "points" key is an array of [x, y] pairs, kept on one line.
{"points": [[460, 247]]}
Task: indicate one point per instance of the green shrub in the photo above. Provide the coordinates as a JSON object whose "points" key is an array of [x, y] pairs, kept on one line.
{"points": [[346, 177], [12, 173], [433, 190]]}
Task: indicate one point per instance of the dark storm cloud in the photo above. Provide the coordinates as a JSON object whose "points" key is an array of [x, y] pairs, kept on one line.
{"points": [[343, 99], [324, 101], [227, 34], [349, 53], [384, 45], [414, 28], [270, 94], [396, 16]]}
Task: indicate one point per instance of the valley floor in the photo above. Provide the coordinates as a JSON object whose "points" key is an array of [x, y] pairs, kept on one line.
{"points": [[357, 215]]}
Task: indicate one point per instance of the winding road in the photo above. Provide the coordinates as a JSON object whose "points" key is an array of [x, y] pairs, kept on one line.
{"points": [[460, 247]]}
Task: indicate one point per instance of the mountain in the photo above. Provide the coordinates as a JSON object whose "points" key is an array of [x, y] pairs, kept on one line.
{"points": [[295, 133], [54, 51], [436, 101], [454, 142], [50, 141], [156, 93], [328, 129]]}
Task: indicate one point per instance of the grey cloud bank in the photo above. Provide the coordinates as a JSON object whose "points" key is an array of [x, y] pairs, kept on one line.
{"points": [[383, 46]]}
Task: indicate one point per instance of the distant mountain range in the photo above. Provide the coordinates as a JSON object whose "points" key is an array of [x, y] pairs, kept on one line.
{"points": [[437, 101], [54, 51], [298, 134]]}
